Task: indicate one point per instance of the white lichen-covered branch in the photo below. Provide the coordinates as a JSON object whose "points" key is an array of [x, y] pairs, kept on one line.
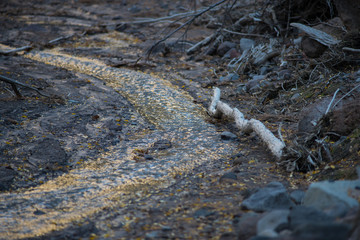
{"points": [[218, 108]]}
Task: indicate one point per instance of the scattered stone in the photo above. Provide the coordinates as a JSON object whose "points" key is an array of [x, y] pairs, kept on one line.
{"points": [[284, 74], [237, 159], [312, 48], [273, 196], [305, 215], [114, 126], [161, 145], [154, 234], [310, 115], [229, 78], [228, 136], [264, 70], [204, 212], [225, 47], [134, 9], [232, 53], [148, 157], [345, 119], [272, 223], [230, 176], [245, 226], [297, 41], [254, 83], [297, 196], [295, 97], [246, 44], [324, 195], [321, 231]]}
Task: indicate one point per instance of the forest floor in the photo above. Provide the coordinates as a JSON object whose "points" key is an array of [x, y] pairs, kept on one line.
{"points": [[199, 205]]}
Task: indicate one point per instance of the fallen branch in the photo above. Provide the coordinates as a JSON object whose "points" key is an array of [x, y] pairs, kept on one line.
{"points": [[149, 51], [13, 84], [351, 49], [317, 35], [200, 44], [11, 51], [245, 34], [218, 108]]}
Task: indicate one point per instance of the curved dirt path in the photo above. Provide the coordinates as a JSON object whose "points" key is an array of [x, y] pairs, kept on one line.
{"points": [[102, 183]]}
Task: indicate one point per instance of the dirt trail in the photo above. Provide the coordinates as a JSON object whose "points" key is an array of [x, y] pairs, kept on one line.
{"points": [[124, 149]]}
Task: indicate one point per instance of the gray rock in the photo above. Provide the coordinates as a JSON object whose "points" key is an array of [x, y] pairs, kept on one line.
{"points": [[225, 47], [134, 9], [310, 115], [297, 196], [300, 215], [264, 70], [161, 144], [232, 53], [254, 83], [229, 78], [230, 176], [284, 74], [325, 195], [272, 223], [245, 226], [337, 211], [297, 41], [246, 44], [322, 231], [228, 136], [312, 48], [204, 212], [295, 97], [273, 196]]}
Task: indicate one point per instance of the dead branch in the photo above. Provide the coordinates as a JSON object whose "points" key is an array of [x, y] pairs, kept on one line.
{"points": [[13, 84], [218, 108], [149, 51], [245, 34], [351, 49], [200, 44], [317, 35], [20, 49]]}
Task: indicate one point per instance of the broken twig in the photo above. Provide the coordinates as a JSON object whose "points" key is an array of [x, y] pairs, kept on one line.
{"points": [[14, 83], [188, 22]]}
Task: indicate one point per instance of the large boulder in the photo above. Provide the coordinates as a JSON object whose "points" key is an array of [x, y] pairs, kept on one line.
{"points": [[325, 195]]}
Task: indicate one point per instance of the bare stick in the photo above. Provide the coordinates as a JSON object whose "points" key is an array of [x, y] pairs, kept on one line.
{"points": [[351, 49], [183, 25], [198, 45], [24, 48], [348, 93], [245, 34], [332, 100], [14, 83]]}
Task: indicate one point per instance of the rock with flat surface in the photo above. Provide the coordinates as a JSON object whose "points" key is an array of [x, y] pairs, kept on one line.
{"points": [[300, 215], [325, 195], [322, 231], [273, 196], [246, 44], [273, 222]]}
